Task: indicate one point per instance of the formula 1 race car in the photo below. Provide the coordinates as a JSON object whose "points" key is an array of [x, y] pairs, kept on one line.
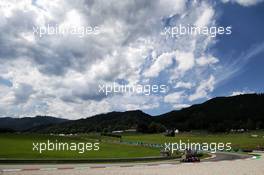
{"points": [[190, 156]]}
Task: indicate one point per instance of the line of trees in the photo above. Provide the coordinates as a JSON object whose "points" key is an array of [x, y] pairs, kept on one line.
{"points": [[153, 127]]}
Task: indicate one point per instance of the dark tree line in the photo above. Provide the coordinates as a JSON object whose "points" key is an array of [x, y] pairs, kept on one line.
{"points": [[219, 114]]}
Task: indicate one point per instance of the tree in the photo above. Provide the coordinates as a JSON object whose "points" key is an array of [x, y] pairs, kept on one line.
{"points": [[156, 128]]}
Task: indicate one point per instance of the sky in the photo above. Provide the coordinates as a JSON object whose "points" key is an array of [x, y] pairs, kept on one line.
{"points": [[126, 43]]}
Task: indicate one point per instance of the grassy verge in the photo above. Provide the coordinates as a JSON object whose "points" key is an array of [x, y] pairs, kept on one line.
{"points": [[249, 140], [19, 146]]}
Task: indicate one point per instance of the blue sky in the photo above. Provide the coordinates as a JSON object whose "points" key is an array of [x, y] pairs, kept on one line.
{"points": [[248, 27], [60, 74], [247, 34]]}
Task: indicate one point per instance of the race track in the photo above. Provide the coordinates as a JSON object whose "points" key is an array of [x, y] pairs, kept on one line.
{"points": [[216, 166]]}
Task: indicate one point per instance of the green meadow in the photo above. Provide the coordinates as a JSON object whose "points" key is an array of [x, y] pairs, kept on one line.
{"points": [[247, 140], [20, 146]]}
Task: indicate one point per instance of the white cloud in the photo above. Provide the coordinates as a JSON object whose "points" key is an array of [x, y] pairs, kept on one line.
{"points": [[185, 60], [180, 106], [186, 85], [7, 96], [241, 92], [23, 92], [134, 102], [205, 18], [202, 61], [61, 74], [162, 62], [174, 97], [244, 2], [176, 100], [203, 89]]}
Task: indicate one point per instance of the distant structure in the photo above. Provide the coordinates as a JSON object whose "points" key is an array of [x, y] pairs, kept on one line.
{"points": [[122, 131], [172, 132], [237, 130]]}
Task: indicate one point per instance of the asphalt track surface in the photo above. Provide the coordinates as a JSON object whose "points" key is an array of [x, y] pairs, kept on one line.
{"points": [[227, 156], [221, 163]]}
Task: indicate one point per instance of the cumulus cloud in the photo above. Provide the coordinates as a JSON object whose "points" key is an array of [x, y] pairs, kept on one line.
{"points": [[22, 92], [185, 61], [59, 75], [162, 62]]}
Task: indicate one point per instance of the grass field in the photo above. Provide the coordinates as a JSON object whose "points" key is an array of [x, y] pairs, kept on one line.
{"points": [[249, 140], [19, 146]]}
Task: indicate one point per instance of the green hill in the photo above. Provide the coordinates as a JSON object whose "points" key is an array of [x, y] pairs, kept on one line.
{"points": [[217, 115]]}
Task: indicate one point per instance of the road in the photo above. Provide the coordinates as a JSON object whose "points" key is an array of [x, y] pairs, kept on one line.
{"points": [[216, 166], [226, 156]]}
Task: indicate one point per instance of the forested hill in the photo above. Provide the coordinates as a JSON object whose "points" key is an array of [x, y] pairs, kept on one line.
{"points": [[100, 123], [217, 115], [25, 123]]}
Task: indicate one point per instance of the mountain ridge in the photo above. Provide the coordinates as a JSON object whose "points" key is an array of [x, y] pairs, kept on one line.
{"points": [[217, 114], [25, 123]]}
